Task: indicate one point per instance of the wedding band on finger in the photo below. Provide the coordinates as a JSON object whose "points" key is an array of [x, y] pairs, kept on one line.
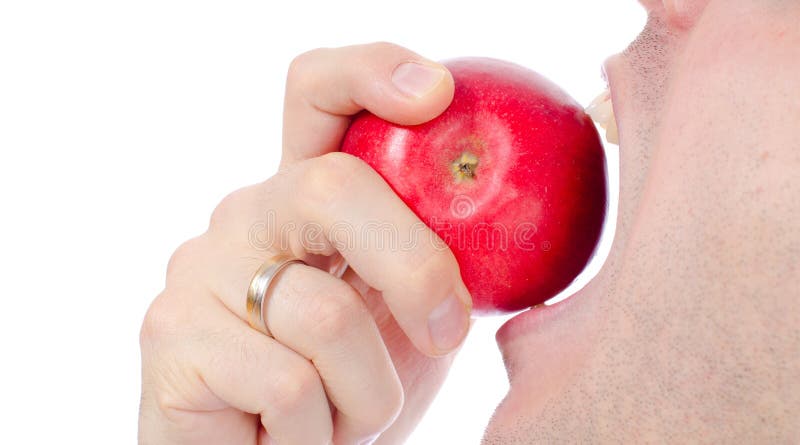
{"points": [[259, 286]]}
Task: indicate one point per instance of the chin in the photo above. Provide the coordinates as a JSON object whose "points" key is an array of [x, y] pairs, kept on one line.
{"points": [[542, 348]]}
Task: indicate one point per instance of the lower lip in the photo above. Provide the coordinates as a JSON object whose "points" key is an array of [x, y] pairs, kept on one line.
{"points": [[534, 319]]}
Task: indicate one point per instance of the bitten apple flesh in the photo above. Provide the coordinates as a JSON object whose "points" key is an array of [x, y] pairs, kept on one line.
{"points": [[511, 176]]}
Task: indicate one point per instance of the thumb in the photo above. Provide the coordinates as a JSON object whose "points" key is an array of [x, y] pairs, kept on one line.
{"points": [[326, 86]]}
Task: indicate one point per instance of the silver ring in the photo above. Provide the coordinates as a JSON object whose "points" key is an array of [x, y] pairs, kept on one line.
{"points": [[259, 286]]}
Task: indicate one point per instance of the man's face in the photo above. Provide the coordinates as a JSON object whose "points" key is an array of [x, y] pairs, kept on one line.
{"points": [[691, 332]]}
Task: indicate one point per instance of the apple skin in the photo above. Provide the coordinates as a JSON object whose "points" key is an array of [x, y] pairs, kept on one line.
{"points": [[511, 177]]}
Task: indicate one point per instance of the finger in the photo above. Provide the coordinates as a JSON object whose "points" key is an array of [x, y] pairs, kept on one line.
{"points": [[326, 321], [354, 212], [421, 376], [325, 86], [228, 365]]}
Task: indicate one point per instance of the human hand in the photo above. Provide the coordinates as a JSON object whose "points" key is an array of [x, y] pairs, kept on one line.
{"points": [[340, 360]]}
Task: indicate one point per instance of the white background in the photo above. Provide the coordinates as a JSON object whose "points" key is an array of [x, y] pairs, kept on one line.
{"points": [[122, 124]]}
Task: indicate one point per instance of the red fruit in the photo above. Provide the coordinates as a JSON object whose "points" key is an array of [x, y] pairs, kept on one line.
{"points": [[511, 176]]}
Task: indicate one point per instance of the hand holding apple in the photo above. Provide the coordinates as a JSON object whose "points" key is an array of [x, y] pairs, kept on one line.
{"points": [[369, 350]]}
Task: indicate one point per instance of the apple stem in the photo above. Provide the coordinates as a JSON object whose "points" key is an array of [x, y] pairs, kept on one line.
{"points": [[464, 167]]}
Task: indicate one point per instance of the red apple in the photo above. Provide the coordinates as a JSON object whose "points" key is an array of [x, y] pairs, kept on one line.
{"points": [[511, 176]]}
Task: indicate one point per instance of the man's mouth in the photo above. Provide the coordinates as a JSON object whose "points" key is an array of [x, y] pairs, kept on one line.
{"points": [[541, 318]]}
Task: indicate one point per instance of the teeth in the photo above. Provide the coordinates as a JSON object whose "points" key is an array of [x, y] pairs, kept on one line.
{"points": [[612, 133], [602, 111]]}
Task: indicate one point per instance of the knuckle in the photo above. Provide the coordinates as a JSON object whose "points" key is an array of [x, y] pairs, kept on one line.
{"points": [[228, 209], [387, 408], [294, 389], [183, 259], [431, 272], [167, 405], [160, 322], [300, 73], [327, 177], [384, 47], [334, 317]]}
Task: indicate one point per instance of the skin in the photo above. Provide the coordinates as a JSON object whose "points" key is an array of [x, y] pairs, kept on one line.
{"points": [[689, 333]]}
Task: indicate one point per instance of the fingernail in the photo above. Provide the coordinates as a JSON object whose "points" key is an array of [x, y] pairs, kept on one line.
{"points": [[416, 79], [448, 323]]}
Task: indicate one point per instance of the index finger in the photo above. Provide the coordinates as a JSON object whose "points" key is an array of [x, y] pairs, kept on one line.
{"points": [[324, 87]]}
